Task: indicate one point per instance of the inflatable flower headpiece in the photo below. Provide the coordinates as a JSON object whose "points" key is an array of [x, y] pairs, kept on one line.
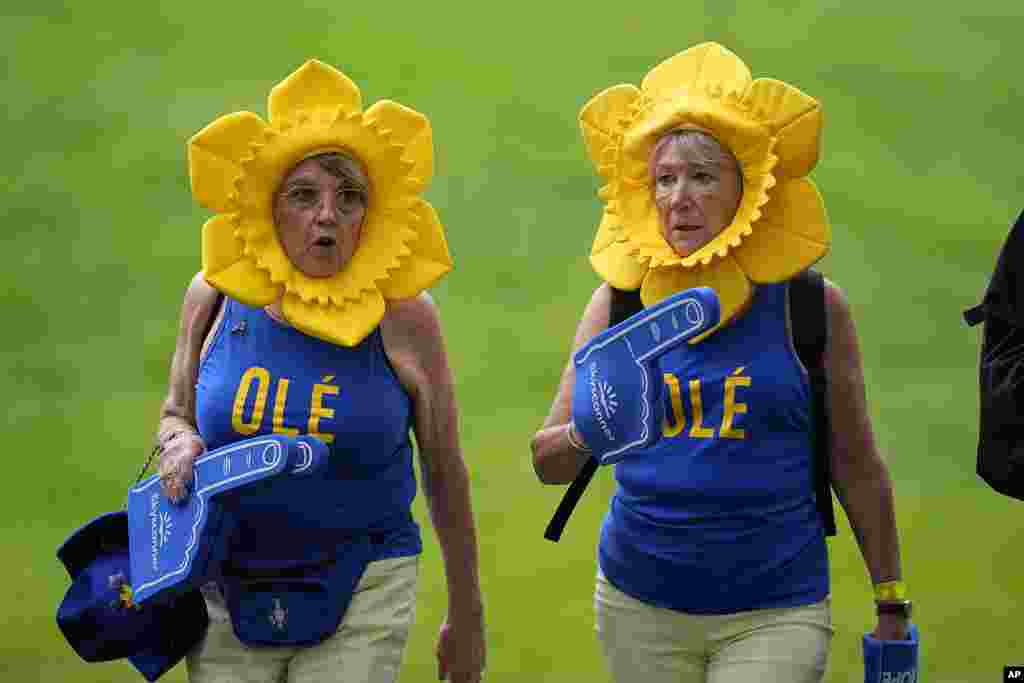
{"points": [[772, 129], [238, 162]]}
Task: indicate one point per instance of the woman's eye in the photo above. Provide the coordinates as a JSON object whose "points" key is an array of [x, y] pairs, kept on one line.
{"points": [[303, 195], [703, 177], [665, 180], [348, 199]]}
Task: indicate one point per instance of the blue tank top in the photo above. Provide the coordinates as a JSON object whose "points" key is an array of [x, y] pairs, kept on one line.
{"points": [[719, 515], [262, 377]]}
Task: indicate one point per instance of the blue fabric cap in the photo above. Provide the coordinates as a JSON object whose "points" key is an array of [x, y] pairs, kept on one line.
{"points": [[96, 622], [621, 363], [891, 661]]}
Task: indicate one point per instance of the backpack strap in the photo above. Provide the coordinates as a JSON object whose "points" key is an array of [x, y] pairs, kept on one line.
{"points": [[974, 315], [810, 334], [623, 305]]}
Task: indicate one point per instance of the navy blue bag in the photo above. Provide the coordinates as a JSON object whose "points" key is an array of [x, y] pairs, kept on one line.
{"points": [[294, 605]]}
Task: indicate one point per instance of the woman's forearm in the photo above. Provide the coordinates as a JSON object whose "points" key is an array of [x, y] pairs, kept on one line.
{"points": [[869, 504], [448, 500]]}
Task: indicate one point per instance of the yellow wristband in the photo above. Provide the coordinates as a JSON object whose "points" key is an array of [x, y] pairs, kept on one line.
{"points": [[890, 591]]}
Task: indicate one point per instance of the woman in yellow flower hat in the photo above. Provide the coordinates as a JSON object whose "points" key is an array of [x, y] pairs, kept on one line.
{"points": [[310, 316], [712, 558]]}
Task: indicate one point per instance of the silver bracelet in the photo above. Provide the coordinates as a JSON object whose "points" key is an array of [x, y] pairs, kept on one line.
{"points": [[574, 440]]}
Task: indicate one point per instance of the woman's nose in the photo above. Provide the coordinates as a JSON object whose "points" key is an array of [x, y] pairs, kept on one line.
{"points": [[680, 195], [327, 209]]}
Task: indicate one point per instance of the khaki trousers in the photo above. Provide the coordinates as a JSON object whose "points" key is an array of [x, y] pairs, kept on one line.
{"points": [[366, 648], [657, 645]]}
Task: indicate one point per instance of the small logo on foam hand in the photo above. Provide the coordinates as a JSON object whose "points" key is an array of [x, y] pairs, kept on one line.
{"points": [[165, 528], [608, 398], [278, 615]]}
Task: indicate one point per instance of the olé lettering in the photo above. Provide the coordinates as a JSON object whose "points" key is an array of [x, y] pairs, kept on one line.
{"points": [[732, 408], [257, 380]]}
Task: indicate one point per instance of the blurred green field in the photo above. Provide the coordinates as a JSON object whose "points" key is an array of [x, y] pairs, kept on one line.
{"points": [[921, 176]]}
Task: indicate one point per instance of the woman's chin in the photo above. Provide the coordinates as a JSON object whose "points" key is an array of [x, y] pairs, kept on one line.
{"points": [[686, 248], [688, 242]]}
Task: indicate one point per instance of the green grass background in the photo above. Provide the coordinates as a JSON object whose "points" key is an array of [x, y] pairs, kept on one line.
{"points": [[920, 172]]}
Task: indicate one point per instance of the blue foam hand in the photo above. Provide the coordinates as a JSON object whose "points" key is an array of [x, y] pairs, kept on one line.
{"points": [[892, 661], [175, 547], [617, 405]]}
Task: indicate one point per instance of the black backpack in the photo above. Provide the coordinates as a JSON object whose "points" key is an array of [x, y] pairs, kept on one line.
{"points": [[810, 332], [1001, 370]]}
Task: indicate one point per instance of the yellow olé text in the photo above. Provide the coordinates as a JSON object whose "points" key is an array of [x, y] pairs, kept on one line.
{"points": [[675, 416], [258, 379]]}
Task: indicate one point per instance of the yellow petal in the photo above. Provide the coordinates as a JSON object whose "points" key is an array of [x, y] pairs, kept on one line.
{"points": [[215, 154], [608, 231], [706, 67], [314, 85], [428, 262], [600, 121], [641, 226], [794, 118], [618, 267], [263, 247], [221, 249], [226, 269], [346, 326], [386, 239], [792, 235], [410, 129], [723, 276]]}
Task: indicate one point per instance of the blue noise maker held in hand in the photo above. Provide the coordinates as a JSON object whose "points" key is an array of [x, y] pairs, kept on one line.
{"points": [[175, 548], [617, 404], [136, 574], [892, 661]]}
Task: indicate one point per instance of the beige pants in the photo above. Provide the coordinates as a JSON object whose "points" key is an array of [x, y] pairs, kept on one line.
{"points": [[366, 648], [656, 645]]}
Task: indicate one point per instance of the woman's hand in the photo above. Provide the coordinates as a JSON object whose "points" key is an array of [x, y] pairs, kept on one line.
{"points": [[461, 652], [176, 459]]}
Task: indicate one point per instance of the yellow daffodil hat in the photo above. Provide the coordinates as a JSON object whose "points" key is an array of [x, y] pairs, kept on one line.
{"points": [[238, 162], [773, 130]]}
